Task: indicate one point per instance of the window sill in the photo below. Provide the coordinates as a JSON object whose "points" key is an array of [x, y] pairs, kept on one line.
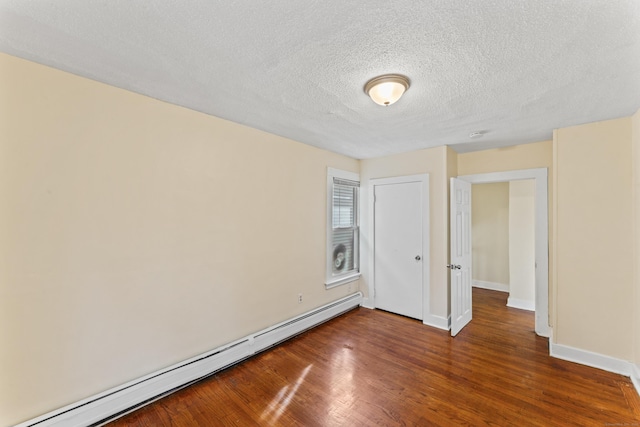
{"points": [[342, 280]]}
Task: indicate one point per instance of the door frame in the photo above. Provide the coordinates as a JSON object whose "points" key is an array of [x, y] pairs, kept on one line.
{"points": [[426, 267], [540, 175]]}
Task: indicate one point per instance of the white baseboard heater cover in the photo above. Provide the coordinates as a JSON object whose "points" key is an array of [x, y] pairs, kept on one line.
{"points": [[106, 406]]}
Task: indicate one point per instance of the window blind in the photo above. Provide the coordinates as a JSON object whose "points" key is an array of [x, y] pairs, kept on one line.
{"points": [[345, 225], [345, 197]]}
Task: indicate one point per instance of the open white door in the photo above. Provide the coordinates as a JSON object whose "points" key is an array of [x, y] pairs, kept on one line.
{"points": [[460, 255]]}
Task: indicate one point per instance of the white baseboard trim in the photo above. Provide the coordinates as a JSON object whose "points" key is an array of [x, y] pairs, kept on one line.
{"points": [[439, 322], [367, 303], [122, 399], [522, 304], [492, 286], [635, 377], [595, 360]]}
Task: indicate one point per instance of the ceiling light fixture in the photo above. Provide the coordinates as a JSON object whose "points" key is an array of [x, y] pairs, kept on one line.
{"points": [[387, 89]]}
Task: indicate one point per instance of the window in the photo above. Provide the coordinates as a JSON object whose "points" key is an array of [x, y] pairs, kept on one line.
{"points": [[343, 231]]}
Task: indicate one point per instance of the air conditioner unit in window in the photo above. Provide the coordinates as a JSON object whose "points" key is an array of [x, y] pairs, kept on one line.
{"points": [[339, 258]]}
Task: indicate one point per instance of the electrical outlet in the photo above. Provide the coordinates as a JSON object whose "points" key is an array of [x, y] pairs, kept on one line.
{"points": [[299, 298]]}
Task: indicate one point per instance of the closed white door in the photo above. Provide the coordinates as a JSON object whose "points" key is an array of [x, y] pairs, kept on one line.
{"points": [[461, 302], [398, 234]]}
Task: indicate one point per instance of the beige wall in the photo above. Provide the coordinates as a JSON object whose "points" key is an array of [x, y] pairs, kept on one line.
{"points": [[635, 140], [522, 251], [526, 156], [433, 162], [594, 258], [452, 164], [135, 234], [490, 232]]}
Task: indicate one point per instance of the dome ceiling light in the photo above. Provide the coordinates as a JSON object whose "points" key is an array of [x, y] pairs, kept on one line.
{"points": [[387, 89]]}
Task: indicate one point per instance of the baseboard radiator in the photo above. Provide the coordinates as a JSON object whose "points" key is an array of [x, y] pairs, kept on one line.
{"points": [[101, 408]]}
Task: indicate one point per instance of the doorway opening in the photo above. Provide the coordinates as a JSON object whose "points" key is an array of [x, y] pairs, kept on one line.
{"points": [[503, 229], [541, 237]]}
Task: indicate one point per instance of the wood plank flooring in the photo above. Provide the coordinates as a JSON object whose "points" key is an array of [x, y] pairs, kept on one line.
{"points": [[370, 367]]}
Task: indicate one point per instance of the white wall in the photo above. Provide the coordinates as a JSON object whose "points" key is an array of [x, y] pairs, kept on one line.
{"points": [[522, 244]]}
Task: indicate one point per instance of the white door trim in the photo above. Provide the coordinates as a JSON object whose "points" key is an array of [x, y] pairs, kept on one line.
{"points": [[540, 175], [424, 179]]}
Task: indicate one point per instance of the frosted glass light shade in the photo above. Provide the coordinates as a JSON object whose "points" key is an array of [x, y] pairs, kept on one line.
{"points": [[387, 89]]}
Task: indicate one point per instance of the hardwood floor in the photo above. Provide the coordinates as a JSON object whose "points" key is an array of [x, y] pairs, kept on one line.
{"points": [[370, 367]]}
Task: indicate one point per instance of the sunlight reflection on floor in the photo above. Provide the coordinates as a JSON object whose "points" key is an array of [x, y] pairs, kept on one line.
{"points": [[279, 403], [343, 389]]}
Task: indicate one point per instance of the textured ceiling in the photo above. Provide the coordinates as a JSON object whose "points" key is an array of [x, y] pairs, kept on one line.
{"points": [[512, 69]]}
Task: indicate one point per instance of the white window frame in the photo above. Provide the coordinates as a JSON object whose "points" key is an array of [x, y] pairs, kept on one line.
{"points": [[332, 281]]}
